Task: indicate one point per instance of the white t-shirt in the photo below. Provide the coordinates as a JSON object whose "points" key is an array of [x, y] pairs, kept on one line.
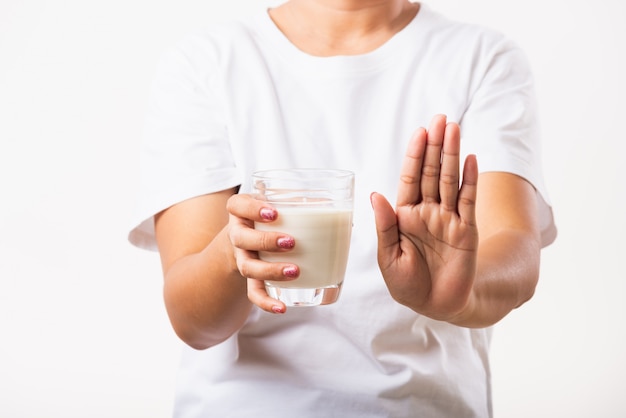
{"points": [[239, 98]]}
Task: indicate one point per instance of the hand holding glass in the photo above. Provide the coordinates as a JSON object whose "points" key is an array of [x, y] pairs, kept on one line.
{"points": [[314, 207]]}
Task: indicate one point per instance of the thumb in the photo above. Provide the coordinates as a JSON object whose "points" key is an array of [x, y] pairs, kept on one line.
{"points": [[386, 229]]}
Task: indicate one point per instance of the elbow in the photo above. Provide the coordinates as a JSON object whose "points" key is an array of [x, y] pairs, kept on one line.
{"points": [[189, 328], [530, 277], [191, 340], [528, 292], [197, 339], [191, 322], [198, 343]]}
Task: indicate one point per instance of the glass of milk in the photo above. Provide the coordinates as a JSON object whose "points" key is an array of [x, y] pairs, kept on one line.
{"points": [[315, 207]]}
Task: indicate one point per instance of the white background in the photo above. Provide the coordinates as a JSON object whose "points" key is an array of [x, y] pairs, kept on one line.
{"points": [[83, 332]]}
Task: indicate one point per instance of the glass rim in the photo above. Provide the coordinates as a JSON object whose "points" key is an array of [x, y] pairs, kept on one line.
{"points": [[326, 173]]}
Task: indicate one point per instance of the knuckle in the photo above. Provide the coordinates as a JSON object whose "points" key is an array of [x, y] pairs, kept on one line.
{"points": [[231, 203], [235, 236], [449, 179], [448, 207], [409, 179], [465, 201], [245, 267], [429, 170], [267, 241]]}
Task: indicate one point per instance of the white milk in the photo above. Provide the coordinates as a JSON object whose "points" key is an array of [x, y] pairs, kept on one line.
{"points": [[322, 242]]}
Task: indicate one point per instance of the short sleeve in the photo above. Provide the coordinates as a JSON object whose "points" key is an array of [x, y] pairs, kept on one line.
{"points": [[501, 124], [185, 151]]}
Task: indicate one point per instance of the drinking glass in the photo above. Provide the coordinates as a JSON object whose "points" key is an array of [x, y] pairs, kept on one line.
{"points": [[315, 207]]}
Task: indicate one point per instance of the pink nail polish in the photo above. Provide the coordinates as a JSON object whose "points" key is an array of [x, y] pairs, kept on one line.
{"points": [[268, 214], [286, 242], [290, 271], [278, 309]]}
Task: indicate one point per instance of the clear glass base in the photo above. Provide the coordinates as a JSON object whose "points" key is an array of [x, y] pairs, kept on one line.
{"points": [[304, 297]]}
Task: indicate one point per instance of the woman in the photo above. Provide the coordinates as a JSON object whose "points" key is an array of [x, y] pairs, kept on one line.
{"points": [[345, 84]]}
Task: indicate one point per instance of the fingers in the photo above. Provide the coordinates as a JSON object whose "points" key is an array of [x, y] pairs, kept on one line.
{"points": [[449, 173], [432, 160], [258, 296], [242, 235], [244, 206], [468, 192], [250, 266], [386, 230], [411, 170], [430, 169], [244, 211]]}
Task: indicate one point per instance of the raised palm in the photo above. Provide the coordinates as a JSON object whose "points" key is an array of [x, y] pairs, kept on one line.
{"points": [[427, 247]]}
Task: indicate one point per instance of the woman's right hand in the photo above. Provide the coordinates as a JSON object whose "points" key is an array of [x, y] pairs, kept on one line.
{"points": [[244, 210], [207, 243]]}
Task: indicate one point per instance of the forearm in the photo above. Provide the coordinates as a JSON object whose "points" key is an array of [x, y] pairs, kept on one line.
{"points": [[205, 296], [506, 276]]}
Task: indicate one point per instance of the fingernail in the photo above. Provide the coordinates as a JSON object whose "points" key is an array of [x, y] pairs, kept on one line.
{"points": [[286, 242], [290, 271], [268, 214], [278, 309]]}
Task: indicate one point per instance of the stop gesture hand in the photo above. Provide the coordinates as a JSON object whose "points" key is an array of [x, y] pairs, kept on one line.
{"points": [[428, 245]]}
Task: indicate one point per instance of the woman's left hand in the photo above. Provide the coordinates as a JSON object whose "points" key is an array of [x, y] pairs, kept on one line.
{"points": [[428, 245]]}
